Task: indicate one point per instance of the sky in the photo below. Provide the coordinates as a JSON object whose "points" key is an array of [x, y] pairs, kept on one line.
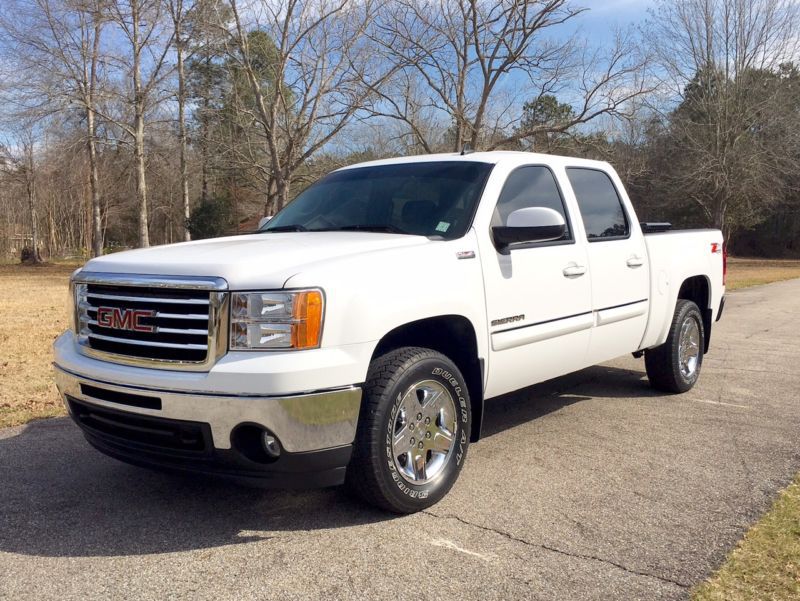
{"points": [[603, 16]]}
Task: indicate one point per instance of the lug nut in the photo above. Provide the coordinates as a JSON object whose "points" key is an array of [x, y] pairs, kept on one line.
{"points": [[419, 446], [419, 416], [427, 420], [427, 434], [413, 441]]}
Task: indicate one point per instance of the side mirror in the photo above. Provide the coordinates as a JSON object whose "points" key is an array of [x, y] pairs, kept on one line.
{"points": [[532, 224], [264, 221]]}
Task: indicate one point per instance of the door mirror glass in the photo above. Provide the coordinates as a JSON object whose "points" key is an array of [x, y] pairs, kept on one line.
{"points": [[531, 224]]}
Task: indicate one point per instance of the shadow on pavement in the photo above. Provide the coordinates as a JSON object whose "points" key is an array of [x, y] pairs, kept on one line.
{"points": [[60, 497], [510, 410]]}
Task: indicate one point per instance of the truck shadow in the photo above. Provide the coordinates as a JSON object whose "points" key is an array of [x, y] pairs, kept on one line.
{"points": [[510, 410], [61, 498]]}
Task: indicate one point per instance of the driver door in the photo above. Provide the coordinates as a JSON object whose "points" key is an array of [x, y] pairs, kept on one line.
{"points": [[538, 295]]}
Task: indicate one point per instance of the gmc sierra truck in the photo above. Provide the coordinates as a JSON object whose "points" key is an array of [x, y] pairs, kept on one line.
{"points": [[358, 335]]}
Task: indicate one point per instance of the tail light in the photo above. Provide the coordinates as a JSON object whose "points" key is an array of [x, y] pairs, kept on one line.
{"points": [[717, 248], [724, 263]]}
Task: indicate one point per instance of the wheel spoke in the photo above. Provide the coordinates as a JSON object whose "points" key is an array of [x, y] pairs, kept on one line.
{"points": [[689, 346], [402, 438], [408, 468], [442, 441], [446, 419], [409, 404], [419, 467], [430, 397]]}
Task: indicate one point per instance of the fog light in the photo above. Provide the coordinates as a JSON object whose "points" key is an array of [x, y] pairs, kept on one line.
{"points": [[271, 445]]}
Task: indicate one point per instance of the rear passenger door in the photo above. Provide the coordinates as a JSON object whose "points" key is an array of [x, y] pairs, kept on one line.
{"points": [[617, 264], [538, 295]]}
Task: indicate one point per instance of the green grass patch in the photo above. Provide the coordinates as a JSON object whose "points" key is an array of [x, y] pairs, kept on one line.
{"points": [[765, 565]]}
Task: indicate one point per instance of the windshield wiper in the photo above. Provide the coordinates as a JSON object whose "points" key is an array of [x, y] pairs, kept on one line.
{"points": [[295, 227], [390, 229]]}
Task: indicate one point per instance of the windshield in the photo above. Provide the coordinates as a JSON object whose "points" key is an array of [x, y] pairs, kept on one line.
{"points": [[423, 199]]}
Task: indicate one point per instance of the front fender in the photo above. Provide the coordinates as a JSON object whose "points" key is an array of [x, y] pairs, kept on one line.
{"points": [[372, 294]]}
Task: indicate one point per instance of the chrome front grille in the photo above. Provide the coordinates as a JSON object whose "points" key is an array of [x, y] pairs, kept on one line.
{"points": [[164, 322]]}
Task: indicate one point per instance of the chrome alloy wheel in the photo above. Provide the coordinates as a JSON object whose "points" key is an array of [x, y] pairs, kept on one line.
{"points": [[689, 347], [424, 432]]}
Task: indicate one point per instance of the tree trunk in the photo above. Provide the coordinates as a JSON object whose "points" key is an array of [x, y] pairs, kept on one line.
{"points": [[141, 180], [52, 243], [204, 160], [91, 144], [30, 187], [282, 196], [97, 220], [182, 130], [204, 133], [138, 127], [719, 215], [277, 195]]}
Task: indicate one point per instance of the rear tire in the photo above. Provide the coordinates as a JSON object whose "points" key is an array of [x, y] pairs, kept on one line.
{"points": [[413, 432], [675, 365]]}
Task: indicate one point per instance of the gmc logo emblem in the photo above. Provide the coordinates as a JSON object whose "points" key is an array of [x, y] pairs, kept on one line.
{"points": [[124, 319]]}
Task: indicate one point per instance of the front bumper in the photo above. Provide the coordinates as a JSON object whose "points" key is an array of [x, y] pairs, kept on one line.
{"points": [[196, 432]]}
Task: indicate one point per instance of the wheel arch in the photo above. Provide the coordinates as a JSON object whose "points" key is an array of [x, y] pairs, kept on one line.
{"points": [[698, 290], [454, 336]]}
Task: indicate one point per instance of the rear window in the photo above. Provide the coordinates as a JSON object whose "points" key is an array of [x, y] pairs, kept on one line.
{"points": [[601, 207]]}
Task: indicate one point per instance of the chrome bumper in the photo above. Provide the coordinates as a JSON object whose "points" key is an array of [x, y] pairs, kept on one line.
{"points": [[303, 422]]}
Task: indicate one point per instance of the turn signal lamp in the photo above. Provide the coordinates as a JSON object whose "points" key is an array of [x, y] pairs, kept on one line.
{"points": [[276, 320]]}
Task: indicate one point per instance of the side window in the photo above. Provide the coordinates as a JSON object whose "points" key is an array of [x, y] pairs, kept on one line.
{"points": [[600, 205], [530, 187]]}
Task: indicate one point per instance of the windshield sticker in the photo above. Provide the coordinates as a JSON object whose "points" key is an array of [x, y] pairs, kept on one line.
{"points": [[443, 226]]}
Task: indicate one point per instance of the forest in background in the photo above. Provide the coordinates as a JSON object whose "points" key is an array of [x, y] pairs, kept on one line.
{"points": [[128, 123]]}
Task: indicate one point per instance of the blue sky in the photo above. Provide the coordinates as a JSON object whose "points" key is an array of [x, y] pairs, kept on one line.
{"points": [[604, 15]]}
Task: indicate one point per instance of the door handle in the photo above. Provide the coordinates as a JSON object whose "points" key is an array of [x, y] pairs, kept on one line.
{"points": [[635, 261], [573, 270]]}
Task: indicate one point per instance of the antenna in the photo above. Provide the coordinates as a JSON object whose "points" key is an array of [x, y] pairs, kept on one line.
{"points": [[466, 149]]}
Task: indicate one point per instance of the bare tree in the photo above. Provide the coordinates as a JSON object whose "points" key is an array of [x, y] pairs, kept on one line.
{"points": [[56, 49], [474, 63], [180, 11], [734, 135], [20, 165], [27, 169], [323, 74], [142, 25]]}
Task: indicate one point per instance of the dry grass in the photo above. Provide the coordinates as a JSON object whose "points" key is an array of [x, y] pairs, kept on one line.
{"points": [[766, 562], [743, 273], [33, 312]]}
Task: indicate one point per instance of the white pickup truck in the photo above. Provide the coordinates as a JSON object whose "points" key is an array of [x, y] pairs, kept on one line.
{"points": [[357, 337]]}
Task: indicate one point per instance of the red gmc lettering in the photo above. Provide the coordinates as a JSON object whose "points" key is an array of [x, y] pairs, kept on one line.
{"points": [[124, 319]]}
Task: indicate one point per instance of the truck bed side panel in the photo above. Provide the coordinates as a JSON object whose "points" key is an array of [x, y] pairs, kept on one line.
{"points": [[675, 257]]}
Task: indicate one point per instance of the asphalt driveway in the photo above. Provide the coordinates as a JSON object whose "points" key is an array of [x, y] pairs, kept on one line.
{"points": [[587, 487]]}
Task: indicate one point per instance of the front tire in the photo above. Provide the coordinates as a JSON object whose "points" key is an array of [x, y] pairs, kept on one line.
{"points": [[675, 365], [413, 432]]}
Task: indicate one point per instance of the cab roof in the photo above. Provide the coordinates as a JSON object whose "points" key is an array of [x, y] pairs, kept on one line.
{"points": [[496, 157]]}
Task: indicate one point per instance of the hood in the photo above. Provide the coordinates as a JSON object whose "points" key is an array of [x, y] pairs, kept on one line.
{"points": [[252, 261]]}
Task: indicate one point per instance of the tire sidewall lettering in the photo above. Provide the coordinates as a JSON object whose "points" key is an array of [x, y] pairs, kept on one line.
{"points": [[456, 388]]}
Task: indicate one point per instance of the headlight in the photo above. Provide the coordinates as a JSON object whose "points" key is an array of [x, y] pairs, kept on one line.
{"points": [[276, 320]]}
